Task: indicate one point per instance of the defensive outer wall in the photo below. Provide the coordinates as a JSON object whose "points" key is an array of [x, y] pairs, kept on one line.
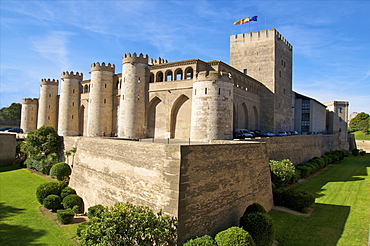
{"points": [[206, 186]]}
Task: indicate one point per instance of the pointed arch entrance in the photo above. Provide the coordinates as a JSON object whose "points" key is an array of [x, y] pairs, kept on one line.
{"points": [[155, 119], [180, 118]]}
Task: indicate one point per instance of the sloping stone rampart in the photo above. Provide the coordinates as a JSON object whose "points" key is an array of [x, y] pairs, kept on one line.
{"points": [[7, 148], [363, 145]]}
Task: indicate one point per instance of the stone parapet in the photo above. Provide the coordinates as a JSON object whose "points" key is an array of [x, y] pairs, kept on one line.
{"points": [[128, 58]]}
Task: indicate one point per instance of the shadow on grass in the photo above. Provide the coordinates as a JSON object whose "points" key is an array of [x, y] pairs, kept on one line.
{"points": [[7, 211], [19, 235], [323, 228], [9, 168]]}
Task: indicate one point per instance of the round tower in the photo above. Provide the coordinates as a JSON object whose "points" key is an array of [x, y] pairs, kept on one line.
{"points": [[69, 101], [100, 110], [212, 107], [48, 103], [29, 114], [133, 96]]}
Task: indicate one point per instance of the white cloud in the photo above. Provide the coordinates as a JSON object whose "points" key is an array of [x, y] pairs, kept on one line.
{"points": [[53, 47]]}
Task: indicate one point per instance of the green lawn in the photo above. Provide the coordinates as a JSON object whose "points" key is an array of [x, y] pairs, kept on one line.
{"points": [[361, 135], [341, 213], [21, 222]]}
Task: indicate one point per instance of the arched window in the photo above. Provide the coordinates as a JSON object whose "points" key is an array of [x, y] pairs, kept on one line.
{"points": [[169, 75], [159, 77], [178, 74], [189, 73], [151, 78]]}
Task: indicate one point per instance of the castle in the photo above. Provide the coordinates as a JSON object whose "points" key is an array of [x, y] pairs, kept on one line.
{"points": [[184, 99], [207, 186]]}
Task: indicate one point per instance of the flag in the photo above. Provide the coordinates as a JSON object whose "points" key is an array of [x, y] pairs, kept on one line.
{"points": [[246, 20]]}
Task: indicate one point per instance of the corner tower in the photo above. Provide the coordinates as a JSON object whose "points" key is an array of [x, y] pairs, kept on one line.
{"points": [[134, 96], [267, 56], [68, 123], [212, 107], [100, 99], [48, 103], [29, 114]]}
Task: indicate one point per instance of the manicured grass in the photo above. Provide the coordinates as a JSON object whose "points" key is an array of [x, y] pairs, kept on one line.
{"points": [[21, 222], [341, 213], [359, 135]]}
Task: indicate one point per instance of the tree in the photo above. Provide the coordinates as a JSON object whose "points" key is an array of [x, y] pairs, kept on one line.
{"points": [[41, 142], [61, 171], [128, 224], [361, 122], [234, 236], [13, 112]]}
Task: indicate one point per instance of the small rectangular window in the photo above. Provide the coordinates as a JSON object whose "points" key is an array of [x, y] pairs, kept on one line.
{"points": [[245, 71], [205, 91], [219, 91]]}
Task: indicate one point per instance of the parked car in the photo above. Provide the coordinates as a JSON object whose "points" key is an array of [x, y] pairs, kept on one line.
{"points": [[244, 132], [293, 133], [17, 130], [282, 134], [3, 129], [256, 133], [267, 134]]}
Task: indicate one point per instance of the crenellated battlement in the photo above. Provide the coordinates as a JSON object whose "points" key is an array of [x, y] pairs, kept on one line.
{"points": [[71, 75], [157, 61], [259, 36], [30, 100], [213, 75], [54, 82], [97, 67], [128, 58]]}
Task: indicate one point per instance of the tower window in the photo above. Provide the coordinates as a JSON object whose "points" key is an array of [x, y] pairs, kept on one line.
{"points": [[48, 117], [205, 91], [105, 101], [48, 106], [49, 95], [219, 91], [105, 85], [72, 116], [195, 91], [73, 90], [73, 103], [138, 80], [280, 74], [245, 71]]}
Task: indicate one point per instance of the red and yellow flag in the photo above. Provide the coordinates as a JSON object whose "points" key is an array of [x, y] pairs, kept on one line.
{"points": [[246, 20]]}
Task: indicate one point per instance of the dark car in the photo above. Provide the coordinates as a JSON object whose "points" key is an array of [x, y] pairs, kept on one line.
{"points": [[17, 130], [3, 129]]}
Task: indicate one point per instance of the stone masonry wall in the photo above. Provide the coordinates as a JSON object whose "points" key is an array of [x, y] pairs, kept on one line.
{"points": [[106, 171], [7, 149], [363, 145], [217, 184]]}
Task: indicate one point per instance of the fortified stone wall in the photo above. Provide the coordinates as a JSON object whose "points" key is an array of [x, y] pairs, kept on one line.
{"points": [[207, 187], [363, 145], [217, 184], [301, 148], [7, 147]]}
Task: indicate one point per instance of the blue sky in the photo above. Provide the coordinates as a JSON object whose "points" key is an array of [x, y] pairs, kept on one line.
{"points": [[41, 39]]}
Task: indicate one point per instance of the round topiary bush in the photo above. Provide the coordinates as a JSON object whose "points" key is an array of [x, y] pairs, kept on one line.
{"points": [[67, 191], [255, 208], [46, 189], [234, 236], [65, 216], [260, 226], [60, 171], [52, 202], [298, 200], [201, 241], [355, 152], [72, 200]]}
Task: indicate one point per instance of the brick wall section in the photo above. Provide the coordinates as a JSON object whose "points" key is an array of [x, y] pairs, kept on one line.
{"points": [[217, 184], [7, 149]]}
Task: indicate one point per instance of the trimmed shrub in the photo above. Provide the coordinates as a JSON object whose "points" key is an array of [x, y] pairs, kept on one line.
{"points": [[278, 196], [282, 172], [298, 200], [362, 152], [46, 189], [355, 152], [52, 202], [65, 216], [234, 236], [304, 170], [201, 241], [72, 200], [67, 191], [260, 226], [60, 171], [95, 211], [255, 208]]}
